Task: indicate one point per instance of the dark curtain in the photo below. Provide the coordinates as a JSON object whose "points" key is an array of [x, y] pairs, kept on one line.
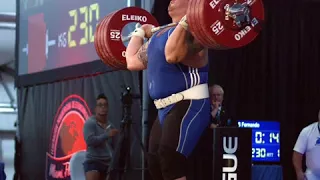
{"points": [[276, 77], [38, 106], [160, 11]]}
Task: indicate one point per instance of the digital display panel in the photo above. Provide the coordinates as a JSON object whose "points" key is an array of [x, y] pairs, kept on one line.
{"points": [[265, 140], [56, 33]]}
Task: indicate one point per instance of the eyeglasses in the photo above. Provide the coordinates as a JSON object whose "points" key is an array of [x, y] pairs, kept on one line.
{"points": [[102, 105]]}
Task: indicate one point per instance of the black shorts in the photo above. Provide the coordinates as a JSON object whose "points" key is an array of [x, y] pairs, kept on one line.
{"points": [[174, 138], [182, 126], [95, 166]]}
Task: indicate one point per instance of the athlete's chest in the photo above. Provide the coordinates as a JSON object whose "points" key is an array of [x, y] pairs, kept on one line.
{"points": [[160, 38], [156, 52]]}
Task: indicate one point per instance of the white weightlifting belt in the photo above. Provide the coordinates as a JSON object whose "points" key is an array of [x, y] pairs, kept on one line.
{"points": [[196, 92]]}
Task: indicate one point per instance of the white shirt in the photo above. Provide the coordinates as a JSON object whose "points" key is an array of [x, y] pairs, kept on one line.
{"points": [[308, 143]]}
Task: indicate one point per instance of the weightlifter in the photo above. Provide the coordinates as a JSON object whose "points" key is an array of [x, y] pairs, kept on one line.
{"points": [[177, 69]]}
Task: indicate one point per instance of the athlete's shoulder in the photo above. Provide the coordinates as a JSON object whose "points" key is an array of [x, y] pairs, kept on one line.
{"points": [[165, 31], [170, 30], [309, 129]]}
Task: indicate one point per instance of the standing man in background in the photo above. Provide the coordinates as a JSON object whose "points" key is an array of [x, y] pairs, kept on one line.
{"points": [[98, 133], [308, 143], [219, 118]]}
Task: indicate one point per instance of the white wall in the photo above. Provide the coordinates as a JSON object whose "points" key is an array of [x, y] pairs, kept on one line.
{"points": [[7, 123], [7, 36], [147, 4], [7, 40], [10, 83], [7, 120], [8, 6]]}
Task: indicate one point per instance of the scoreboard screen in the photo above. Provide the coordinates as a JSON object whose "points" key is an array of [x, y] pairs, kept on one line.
{"points": [[265, 140], [54, 34]]}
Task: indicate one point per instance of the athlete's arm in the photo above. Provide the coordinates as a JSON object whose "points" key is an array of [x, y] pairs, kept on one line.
{"points": [[136, 54], [181, 47], [196, 60], [298, 151], [297, 163]]}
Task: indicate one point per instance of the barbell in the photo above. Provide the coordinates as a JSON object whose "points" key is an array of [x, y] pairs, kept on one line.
{"points": [[216, 24]]}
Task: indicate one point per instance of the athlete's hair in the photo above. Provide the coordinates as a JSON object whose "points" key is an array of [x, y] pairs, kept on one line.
{"points": [[102, 96]]}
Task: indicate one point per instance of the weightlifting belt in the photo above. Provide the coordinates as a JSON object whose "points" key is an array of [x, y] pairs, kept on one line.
{"points": [[196, 92]]}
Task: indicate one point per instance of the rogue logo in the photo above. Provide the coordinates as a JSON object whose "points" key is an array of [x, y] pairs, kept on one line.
{"points": [[66, 136], [230, 172]]}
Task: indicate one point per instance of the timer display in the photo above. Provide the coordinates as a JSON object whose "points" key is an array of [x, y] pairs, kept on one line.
{"points": [[265, 140]]}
